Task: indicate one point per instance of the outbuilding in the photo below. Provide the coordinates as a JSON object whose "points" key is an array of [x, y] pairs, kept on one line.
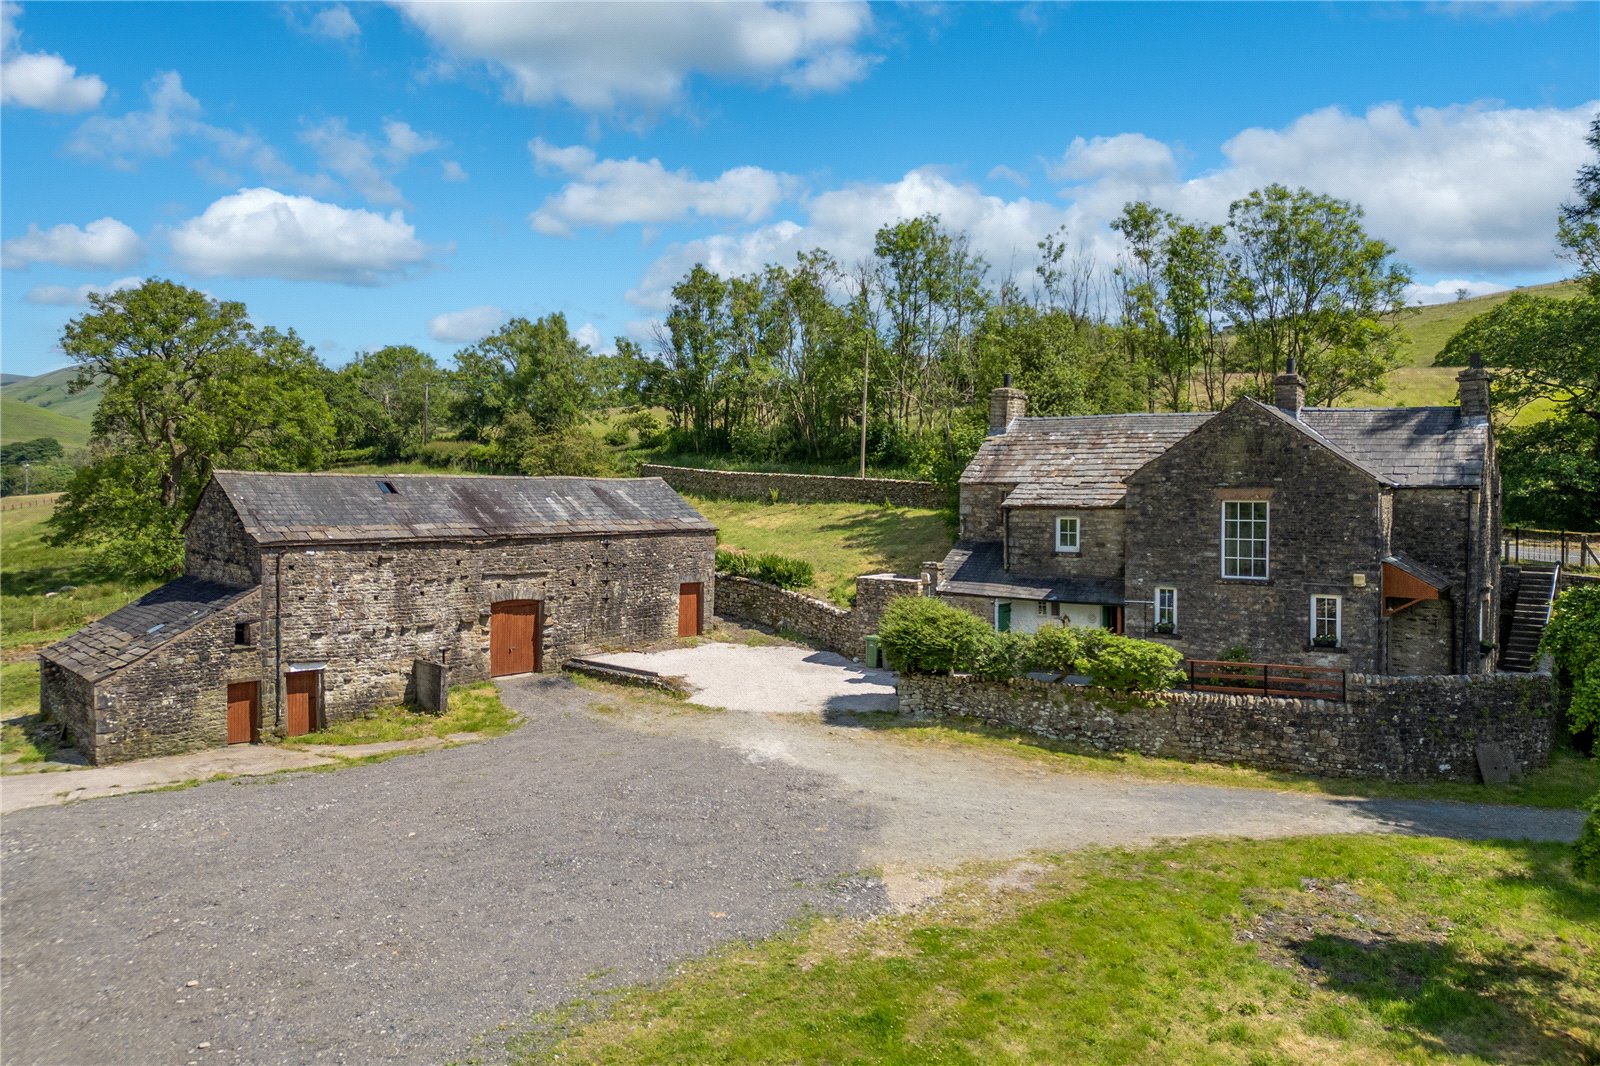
{"points": [[309, 598]]}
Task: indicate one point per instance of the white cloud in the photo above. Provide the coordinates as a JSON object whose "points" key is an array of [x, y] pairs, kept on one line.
{"points": [[63, 296], [452, 171], [588, 336], [1448, 290], [600, 56], [464, 327], [335, 23], [263, 233], [103, 243], [403, 142], [610, 192], [41, 80], [365, 164], [1131, 156], [1005, 173], [122, 140]]}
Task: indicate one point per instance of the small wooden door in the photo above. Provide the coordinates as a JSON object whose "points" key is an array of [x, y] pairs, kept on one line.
{"points": [[689, 609], [1002, 617], [244, 701], [514, 637], [300, 703]]}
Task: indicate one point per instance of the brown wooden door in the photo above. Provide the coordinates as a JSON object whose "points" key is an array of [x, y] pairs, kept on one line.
{"points": [[300, 705], [689, 609], [513, 637], [243, 703]]}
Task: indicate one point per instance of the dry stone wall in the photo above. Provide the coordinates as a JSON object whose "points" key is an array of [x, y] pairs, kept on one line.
{"points": [[746, 600], [798, 488], [1400, 728]]}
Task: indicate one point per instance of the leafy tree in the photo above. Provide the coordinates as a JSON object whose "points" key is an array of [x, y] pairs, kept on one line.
{"points": [[38, 450], [190, 384], [1579, 230], [1586, 849], [388, 400], [1572, 639], [1308, 283], [536, 367]]}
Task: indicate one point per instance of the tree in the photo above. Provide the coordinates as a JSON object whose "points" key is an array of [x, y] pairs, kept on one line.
{"points": [[534, 367], [190, 385], [1579, 228], [1308, 283], [389, 400]]}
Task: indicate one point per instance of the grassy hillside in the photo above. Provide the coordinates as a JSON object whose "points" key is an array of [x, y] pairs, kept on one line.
{"points": [[1431, 327], [23, 421], [50, 392]]}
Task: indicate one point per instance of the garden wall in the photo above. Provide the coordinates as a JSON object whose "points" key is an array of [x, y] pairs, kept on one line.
{"points": [[744, 599], [1401, 728], [798, 488]]}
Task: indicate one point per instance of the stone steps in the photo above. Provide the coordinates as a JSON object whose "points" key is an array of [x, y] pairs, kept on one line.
{"points": [[1527, 620]]}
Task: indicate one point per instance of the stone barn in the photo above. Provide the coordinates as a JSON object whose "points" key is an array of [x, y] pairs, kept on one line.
{"points": [[309, 598]]}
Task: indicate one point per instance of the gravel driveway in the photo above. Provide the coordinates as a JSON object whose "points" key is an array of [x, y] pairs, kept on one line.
{"points": [[397, 912], [775, 679]]}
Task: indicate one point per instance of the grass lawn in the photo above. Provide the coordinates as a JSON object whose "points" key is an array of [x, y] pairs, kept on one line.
{"points": [[30, 570], [474, 708], [1568, 781], [841, 541], [1320, 949]]}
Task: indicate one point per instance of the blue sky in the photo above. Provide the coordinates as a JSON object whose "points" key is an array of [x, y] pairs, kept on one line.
{"points": [[414, 173]]}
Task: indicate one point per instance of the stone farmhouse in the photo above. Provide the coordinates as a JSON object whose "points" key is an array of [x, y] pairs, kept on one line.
{"points": [[308, 598], [1360, 538]]}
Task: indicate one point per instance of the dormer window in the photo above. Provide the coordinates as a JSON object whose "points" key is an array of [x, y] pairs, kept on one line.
{"points": [[1066, 534]]}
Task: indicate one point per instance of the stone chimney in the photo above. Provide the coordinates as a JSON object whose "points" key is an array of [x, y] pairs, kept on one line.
{"points": [[1005, 405], [1474, 382], [1289, 390]]}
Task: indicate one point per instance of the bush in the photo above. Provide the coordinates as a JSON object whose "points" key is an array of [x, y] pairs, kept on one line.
{"points": [[1057, 650], [779, 570], [617, 437], [1124, 664], [1004, 656], [1572, 639], [922, 635], [1586, 849]]}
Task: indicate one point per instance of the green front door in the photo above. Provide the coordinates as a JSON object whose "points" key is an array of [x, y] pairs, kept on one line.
{"points": [[1002, 617]]}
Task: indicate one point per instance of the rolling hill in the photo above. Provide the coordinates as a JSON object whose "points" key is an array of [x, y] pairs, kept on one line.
{"points": [[49, 391], [23, 421]]}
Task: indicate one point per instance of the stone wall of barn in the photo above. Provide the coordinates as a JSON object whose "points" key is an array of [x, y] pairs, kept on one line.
{"points": [[215, 545], [1324, 530], [1400, 728], [173, 700], [369, 611], [844, 631], [798, 488]]}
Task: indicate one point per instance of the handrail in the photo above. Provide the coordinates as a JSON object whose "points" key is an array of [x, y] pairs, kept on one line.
{"points": [[1273, 679], [1550, 603]]}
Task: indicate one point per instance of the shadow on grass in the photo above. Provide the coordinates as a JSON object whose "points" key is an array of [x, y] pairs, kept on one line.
{"points": [[1448, 1003]]}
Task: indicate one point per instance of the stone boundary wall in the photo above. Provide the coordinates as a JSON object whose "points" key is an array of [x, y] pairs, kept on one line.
{"points": [[744, 599], [798, 488], [1399, 728]]}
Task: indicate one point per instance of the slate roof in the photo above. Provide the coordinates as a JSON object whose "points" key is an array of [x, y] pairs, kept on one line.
{"points": [[127, 635], [281, 509], [975, 569], [1075, 462], [1084, 461]]}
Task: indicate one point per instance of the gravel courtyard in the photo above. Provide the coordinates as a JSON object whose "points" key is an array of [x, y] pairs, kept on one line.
{"points": [[403, 912], [778, 679]]}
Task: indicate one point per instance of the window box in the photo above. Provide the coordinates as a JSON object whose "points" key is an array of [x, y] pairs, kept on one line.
{"points": [[1325, 641], [1165, 629]]}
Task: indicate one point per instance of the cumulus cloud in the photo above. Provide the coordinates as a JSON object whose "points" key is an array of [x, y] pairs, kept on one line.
{"points": [[450, 170], [1448, 290], [610, 192], [41, 80], [262, 233], [601, 56], [1128, 156], [66, 296], [464, 327], [365, 163], [335, 23], [588, 336], [1005, 173], [103, 243]]}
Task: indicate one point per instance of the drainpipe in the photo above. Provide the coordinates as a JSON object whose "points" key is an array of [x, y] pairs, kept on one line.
{"points": [[277, 642]]}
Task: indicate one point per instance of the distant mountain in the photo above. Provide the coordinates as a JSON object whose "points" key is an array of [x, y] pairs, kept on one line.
{"points": [[12, 379], [49, 391], [24, 421]]}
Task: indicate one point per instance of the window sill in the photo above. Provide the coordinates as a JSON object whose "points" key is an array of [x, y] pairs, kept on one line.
{"points": [[1164, 636], [1331, 649], [1069, 551], [1244, 580]]}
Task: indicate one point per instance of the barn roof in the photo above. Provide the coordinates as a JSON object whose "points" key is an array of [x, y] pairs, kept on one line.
{"points": [[1085, 461], [127, 635], [319, 508]]}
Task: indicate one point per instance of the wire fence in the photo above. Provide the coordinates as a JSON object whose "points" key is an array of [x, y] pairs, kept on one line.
{"points": [[1575, 551]]}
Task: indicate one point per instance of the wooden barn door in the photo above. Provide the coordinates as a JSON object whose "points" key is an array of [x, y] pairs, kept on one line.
{"points": [[243, 702], [513, 637], [300, 705], [689, 609]]}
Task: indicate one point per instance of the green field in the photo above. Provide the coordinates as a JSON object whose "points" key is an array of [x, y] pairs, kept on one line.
{"points": [[1323, 949], [841, 541], [20, 421], [1430, 328], [50, 392]]}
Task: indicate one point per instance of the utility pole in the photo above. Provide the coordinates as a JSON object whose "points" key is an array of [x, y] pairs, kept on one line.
{"points": [[426, 385], [27, 478], [866, 360]]}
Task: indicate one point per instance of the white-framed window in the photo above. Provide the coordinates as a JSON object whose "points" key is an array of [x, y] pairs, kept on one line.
{"points": [[1244, 538], [1326, 623], [1049, 609], [1066, 534], [1166, 610]]}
